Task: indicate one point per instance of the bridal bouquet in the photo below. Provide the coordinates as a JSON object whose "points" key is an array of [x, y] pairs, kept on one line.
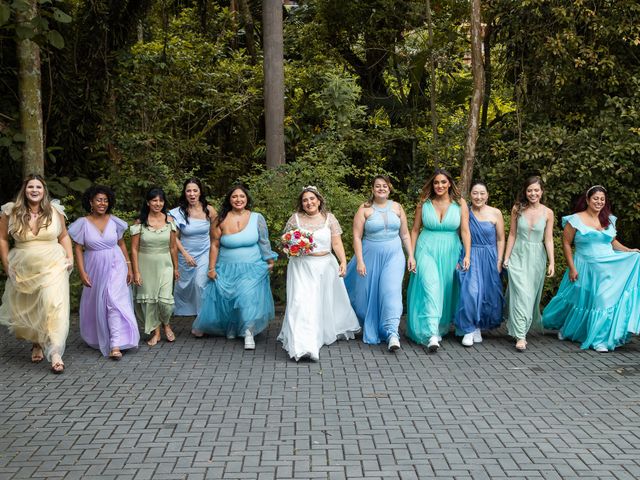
{"points": [[297, 242]]}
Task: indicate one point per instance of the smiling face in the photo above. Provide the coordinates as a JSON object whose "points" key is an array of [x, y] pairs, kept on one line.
{"points": [[441, 185], [192, 193], [34, 191], [381, 189], [596, 202], [156, 204], [238, 199], [534, 193], [310, 203], [479, 196], [100, 204]]}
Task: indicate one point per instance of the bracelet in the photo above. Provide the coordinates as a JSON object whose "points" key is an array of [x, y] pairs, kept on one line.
{"points": [[128, 262], [212, 269]]}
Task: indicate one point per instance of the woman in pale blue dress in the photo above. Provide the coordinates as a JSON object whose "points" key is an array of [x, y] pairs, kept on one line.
{"points": [[375, 273], [237, 301], [441, 221], [598, 302], [193, 219]]}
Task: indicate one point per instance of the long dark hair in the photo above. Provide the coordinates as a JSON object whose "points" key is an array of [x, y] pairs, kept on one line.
{"points": [[184, 204], [427, 188], [522, 202], [583, 202], [226, 203], [386, 179], [91, 193], [144, 211]]}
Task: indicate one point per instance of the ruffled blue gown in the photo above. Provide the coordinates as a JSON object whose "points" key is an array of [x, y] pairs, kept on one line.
{"points": [[377, 297], [602, 307], [239, 299], [481, 299], [433, 292], [194, 235]]}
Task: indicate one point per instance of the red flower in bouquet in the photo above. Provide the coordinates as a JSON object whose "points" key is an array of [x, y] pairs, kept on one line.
{"points": [[297, 242]]}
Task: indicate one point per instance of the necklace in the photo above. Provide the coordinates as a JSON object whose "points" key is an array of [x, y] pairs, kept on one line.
{"points": [[238, 218], [34, 214]]}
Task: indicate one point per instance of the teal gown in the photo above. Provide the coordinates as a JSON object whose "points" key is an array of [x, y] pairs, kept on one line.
{"points": [[526, 272], [602, 307], [434, 289]]}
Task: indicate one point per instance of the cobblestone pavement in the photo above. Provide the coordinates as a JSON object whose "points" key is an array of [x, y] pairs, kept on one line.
{"points": [[203, 408]]}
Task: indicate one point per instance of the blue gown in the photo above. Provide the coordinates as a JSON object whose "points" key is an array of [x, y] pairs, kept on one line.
{"points": [[602, 307], [239, 299], [194, 236], [377, 297], [481, 299], [433, 292]]}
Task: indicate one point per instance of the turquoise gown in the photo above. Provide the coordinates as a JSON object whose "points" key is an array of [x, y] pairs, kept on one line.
{"points": [[434, 289], [239, 299], [602, 307]]}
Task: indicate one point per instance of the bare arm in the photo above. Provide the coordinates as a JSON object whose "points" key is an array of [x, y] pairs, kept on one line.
{"points": [[500, 238], [621, 248], [405, 236], [214, 235], [511, 241], [358, 231], [415, 231], [465, 234], [135, 248], [4, 242], [548, 242], [79, 251], [65, 241], [173, 250], [123, 247], [568, 235], [338, 248]]}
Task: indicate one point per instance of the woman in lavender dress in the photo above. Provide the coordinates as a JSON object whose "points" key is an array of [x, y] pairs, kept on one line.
{"points": [[107, 321]]}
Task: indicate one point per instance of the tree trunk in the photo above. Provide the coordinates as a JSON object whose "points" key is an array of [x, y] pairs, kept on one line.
{"points": [[476, 97], [247, 19], [487, 75], [273, 81], [432, 88], [29, 87]]}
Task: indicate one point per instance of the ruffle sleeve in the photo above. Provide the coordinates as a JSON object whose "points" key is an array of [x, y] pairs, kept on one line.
{"points": [[55, 203], [574, 221], [7, 208], [334, 226], [263, 239], [121, 226], [77, 230], [135, 229], [178, 217], [291, 223]]}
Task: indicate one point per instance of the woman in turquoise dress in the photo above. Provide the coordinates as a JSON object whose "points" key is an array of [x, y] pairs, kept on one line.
{"points": [[237, 301], [375, 273], [441, 221], [193, 219], [598, 302], [529, 246]]}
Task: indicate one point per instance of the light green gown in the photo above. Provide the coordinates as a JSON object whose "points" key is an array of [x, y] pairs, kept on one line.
{"points": [[527, 268], [154, 298]]}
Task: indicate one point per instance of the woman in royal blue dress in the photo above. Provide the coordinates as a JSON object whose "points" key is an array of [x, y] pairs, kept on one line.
{"points": [[193, 219], [441, 221], [374, 274], [237, 301], [598, 302], [481, 300]]}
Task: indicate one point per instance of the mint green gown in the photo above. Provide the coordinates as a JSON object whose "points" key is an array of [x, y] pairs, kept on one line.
{"points": [[527, 268], [434, 289]]}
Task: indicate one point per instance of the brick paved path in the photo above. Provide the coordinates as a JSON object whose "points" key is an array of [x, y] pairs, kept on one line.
{"points": [[206, 409]]}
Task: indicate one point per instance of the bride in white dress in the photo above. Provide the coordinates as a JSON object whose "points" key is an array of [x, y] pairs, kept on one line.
{"points": [[318, 309]]}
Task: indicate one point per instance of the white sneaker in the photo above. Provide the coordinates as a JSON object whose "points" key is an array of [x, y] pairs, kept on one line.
{"points": [[477, 336], [601, 349], [560, 336], [249, 343], [394, 343], [468, 339], [434, 344]]}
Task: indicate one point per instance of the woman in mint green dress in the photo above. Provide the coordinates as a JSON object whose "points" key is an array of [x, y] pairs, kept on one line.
{"points": [[529, 246], [598, 302], [441, 221]]}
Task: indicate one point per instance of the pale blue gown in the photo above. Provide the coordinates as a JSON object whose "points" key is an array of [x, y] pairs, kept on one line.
{"points": [[239, 299], [434, 289], [194, 235], [602, 307], [377, 297]]}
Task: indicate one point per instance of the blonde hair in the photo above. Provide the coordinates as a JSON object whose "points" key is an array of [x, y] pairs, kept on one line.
{"points": [[21, 215]]}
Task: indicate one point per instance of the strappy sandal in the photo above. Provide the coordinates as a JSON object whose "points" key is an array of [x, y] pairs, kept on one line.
{"points": [[154, 340], [36, 353], [521, 345], [57, 367], [171, 337]]}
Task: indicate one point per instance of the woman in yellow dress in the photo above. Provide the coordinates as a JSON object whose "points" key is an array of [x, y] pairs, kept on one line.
{"points": [[35, 304]]}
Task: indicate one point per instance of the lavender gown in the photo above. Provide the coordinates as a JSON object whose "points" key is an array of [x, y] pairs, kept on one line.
{"points": [[107, 320]]}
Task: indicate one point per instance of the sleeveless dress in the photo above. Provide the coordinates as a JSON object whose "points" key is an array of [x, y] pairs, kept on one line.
{"points": [[433, 291], [527, 268], [154, 298], [194, 235], [318, 311], [376, 298], [35, 303], [602, 307], [481, 300], [107, 320], [239, 299]]}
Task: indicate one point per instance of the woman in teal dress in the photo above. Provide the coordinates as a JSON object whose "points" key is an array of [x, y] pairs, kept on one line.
{"points": [[154, 256], [237, 301], [598, 302], [441, 220], [529, 246]]}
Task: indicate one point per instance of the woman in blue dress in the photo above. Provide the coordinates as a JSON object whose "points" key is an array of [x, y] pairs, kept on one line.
{"points": [[237, 300], [374, 274], [193, 219], [441, 221], [598, 302], [481, 300]]}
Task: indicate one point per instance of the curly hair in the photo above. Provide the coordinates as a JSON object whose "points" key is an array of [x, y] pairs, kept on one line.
{"points": [[91, 193]]}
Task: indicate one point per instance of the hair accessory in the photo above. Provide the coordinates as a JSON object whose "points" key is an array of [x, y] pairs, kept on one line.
{"points": [[595, 186], [312, 188]]}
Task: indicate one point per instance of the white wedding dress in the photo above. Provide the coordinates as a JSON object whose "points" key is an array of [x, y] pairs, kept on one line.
{"points": [[318, 308]]}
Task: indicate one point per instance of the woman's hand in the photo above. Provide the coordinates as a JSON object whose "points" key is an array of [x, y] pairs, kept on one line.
{"points": [[505, 264], [190, 260], [361, 269], [212, 274], [129, 274], [137, 279], [551, 270], [573, 274], [411, 264], [69, 264], [84, 278], [342, 269], [466, 263], [176, 274], [499, 266]]}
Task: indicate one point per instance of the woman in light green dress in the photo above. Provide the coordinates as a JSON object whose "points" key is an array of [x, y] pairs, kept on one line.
{"points": [[154, 254], [441, 221], [529, 246]]}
